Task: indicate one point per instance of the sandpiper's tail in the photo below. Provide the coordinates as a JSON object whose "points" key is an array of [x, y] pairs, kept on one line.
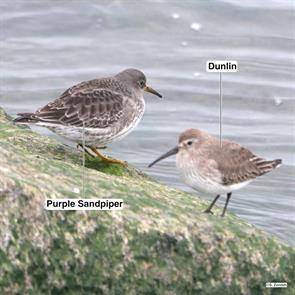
{"points": [[265, 166], [25, 118]]}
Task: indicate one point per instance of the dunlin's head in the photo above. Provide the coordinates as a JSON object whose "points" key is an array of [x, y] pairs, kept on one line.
{"points": [[188, 141], [137, 80]]}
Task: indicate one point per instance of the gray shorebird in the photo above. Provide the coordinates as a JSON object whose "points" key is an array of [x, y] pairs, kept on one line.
{"points": [[100, 111], [215, 167]]}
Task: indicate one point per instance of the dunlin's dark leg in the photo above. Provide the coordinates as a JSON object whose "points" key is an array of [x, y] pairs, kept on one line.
{"points": [[208, 210], [106, 159], [226, 203]]}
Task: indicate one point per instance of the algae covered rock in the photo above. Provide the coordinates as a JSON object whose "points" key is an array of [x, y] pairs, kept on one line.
{"points": [[160, 243]]}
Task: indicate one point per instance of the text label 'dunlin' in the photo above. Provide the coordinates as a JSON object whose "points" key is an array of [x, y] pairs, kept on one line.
{"points": [[222, 66]]}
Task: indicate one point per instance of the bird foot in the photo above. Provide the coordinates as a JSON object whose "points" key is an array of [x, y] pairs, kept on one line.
{"points": [[113, 161], [94, 152], [106, 159], [208, 211]]}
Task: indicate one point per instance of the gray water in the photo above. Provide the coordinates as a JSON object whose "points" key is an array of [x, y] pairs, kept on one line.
{"points": [[47, 46]]}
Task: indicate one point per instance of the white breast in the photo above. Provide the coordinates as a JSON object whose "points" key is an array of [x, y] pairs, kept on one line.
{"points": [[134, 123], [201, 178]]}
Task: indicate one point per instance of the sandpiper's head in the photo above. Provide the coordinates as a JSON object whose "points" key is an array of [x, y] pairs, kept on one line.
{"points": [[137, 80], [188, 141]]}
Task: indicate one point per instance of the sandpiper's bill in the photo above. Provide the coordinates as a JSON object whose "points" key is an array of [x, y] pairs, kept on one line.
{"points": [[107, 108], [215, 167]]}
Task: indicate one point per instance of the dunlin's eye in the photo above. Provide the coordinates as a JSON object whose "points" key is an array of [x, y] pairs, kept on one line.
{"points": [[190, 142]]}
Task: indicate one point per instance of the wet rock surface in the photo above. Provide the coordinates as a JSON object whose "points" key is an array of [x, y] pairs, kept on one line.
{"points": [[160, 243]]}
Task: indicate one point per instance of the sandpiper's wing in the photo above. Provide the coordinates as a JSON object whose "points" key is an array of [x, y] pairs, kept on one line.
{"points": [[103, 83], [238, 164], [97, 108]]}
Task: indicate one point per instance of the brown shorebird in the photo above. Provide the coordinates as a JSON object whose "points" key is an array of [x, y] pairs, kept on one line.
{"points": [[215, 167], [99, 111]]}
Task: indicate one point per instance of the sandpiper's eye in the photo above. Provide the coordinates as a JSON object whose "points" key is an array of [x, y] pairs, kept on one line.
{"points": [[190, 142], [141, 83]]}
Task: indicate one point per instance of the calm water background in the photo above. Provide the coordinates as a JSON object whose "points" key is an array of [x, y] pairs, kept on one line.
{"points": [[47, 46]]}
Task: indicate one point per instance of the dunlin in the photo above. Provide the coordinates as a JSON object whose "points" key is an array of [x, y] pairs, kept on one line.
{"points": [[215, 167], [99, 111]]}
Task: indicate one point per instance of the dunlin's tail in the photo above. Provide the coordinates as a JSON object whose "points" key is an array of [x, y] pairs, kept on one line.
{"points": [[265, 166], [276, 163], [25, 118]]}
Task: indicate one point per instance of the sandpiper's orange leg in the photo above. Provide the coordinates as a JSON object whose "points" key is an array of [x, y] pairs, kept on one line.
{"points": [[85, 149], [106, 159]]}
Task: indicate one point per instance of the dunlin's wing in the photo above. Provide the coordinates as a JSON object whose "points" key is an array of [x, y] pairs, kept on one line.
{"points": [[238, 164], [97, 108]]}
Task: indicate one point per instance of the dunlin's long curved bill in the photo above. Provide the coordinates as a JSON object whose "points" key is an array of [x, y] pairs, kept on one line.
{"points": [[166, 155]]}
